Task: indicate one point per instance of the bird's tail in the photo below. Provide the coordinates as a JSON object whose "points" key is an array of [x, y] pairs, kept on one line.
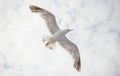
{"points": [[77, 64], [46, 39]]}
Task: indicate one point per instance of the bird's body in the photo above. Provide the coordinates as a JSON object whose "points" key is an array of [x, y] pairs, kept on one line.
{"points": [[58, 35]]}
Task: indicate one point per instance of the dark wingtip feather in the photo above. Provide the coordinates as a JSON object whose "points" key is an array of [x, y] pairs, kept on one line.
{"points": [[77, 65], [34, 8]]}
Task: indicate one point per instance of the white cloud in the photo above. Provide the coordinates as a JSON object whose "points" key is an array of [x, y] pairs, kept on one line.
{"points": [[21, 41]]}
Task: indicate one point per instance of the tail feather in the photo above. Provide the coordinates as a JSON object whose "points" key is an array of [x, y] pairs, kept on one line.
{"points": [[77, 64], [46, 39]]}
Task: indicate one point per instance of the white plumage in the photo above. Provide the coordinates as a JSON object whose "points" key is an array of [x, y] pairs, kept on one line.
{"points": [[58, 35]]}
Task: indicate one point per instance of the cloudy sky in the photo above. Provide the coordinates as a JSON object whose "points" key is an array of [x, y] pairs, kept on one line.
{"points": [[96, 25]]}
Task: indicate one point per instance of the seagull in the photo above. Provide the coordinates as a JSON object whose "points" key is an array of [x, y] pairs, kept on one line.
{"points": [[58, 35]]}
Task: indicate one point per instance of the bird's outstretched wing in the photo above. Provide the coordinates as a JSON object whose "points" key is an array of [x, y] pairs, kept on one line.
{"points": [[48, 17], [73, 50]]}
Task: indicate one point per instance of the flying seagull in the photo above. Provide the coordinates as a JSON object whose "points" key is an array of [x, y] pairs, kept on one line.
{"points": [[58, 35]]}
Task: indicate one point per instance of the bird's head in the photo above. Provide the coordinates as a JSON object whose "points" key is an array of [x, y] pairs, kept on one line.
{"points": [[34, 8], [70, 29], [67, 30]]}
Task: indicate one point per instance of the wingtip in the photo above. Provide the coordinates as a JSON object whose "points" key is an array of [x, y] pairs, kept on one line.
{"points": [[77, 65], [34, 8], [31, 6]]}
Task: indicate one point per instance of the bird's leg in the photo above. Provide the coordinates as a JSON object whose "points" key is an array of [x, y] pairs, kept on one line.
{"points": [[49, 47]]}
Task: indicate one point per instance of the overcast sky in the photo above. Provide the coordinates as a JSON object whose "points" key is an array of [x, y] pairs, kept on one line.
{"points": [[96, 25]]}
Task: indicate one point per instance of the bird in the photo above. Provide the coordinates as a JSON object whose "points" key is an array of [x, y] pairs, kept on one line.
{"points": [[58, 35]]}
